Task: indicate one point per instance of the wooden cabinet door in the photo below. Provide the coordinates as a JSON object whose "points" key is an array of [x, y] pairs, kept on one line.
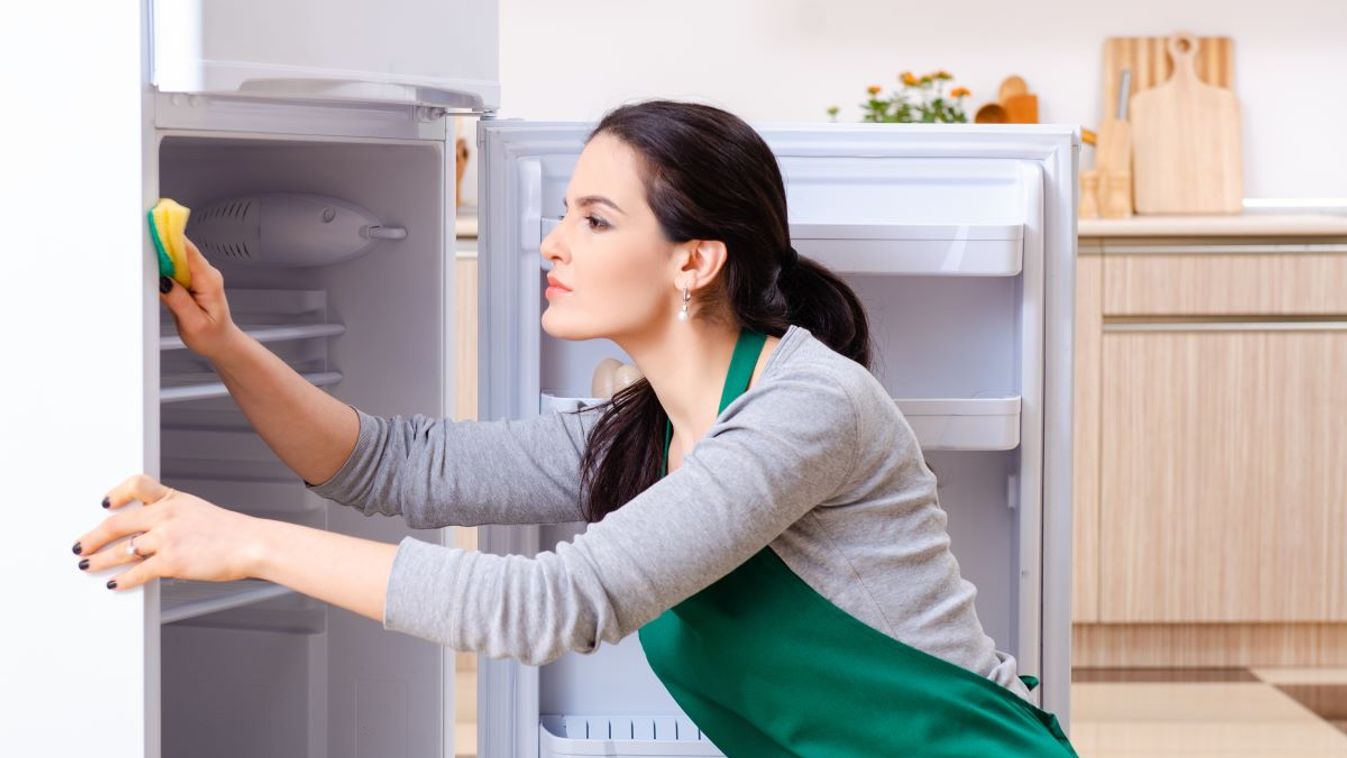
{"points": [[1223, 487]]}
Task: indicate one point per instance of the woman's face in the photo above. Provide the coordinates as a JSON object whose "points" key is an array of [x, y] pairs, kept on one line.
{"points": [[608, 251]]}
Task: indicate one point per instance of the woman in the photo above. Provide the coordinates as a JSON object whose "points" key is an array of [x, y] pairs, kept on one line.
{"points": [[759, 509]]}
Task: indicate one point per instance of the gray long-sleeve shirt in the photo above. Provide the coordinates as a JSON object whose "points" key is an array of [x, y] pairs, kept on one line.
{"points": [[815, 460]]}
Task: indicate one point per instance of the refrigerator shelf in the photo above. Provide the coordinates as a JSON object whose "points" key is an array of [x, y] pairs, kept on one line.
{"points": [[271, 333], [184, 599], [903, 249], [974, 423], [221, 454], [200, 390], [620, 737]]}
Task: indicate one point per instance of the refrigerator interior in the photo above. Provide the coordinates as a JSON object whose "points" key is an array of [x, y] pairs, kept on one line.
{"points": [[251, 668], [947, 255]]}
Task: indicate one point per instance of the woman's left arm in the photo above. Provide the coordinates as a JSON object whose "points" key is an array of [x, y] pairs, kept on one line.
{"points": [[181, 536], [778, 451]]}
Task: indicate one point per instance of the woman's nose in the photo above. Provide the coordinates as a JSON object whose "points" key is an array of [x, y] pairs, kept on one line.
{"points": [[551, 247]]}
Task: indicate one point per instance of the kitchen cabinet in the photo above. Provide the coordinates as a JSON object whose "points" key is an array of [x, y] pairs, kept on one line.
{"points": [[1211, 421]]}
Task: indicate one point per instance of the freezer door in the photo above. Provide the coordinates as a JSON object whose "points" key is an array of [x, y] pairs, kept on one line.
{"points": [[76, 660], [960, 239], [426, 52]]}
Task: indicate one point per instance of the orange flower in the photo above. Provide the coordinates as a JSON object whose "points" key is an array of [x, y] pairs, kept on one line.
{"points": [[909, 79], [960, 92], [873, 89], [943, 74]]}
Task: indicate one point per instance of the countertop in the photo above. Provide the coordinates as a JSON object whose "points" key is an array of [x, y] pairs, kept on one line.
{"points": [[1231, 225]]}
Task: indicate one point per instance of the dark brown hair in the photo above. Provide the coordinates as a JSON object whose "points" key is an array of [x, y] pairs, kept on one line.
{"points": [[709, 175]]}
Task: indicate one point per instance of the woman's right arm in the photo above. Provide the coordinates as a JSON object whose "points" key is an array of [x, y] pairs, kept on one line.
{"points": [[309, 430], [433, 472]]}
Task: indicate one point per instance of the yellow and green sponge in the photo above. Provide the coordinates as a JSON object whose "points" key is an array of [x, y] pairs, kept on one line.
{"points": [[168, 224]]}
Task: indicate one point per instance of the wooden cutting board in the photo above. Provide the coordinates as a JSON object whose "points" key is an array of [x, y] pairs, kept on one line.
{"points": [[1186, 152], [1150, 64]]}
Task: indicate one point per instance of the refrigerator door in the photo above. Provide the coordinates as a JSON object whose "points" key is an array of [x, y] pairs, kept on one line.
{"points": [[397, 51], [960, 240], [78, 383]]}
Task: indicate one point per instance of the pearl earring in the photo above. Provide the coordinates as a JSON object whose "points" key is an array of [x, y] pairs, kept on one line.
{"points": [[683, 312]]}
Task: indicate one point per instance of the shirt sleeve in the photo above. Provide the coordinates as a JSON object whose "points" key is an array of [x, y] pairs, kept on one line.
{"points": [[438, 472], [776, 452]]}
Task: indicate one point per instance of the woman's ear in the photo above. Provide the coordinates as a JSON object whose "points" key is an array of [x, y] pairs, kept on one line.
{"points": [[703, 262]]}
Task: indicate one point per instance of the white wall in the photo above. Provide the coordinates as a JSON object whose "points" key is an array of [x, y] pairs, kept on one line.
{"points": [[777, 60]]}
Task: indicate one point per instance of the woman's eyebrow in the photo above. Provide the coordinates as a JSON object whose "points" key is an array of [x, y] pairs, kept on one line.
{"points": [[590, 199]]}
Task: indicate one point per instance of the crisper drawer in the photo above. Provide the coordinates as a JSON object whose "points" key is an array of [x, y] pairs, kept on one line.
{"points": [[1227, 280], [622, 737], [395, 51]]}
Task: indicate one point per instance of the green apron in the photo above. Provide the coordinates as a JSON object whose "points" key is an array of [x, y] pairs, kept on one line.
{"points": [[766, 666]]}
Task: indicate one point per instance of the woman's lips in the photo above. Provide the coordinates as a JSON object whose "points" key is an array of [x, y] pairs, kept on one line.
{"points": [[555, 287]]}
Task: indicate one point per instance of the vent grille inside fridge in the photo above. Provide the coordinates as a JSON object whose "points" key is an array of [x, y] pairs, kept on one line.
{"points": [[233, 212]]}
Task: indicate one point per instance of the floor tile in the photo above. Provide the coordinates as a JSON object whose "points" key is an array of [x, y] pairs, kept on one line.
{"points": [[1192, 719]]}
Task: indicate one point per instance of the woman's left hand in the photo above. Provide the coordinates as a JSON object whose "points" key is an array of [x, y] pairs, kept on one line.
{"points": [[177, 535]]}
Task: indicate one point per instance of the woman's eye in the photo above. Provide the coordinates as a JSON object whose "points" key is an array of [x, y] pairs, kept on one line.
{"points": [[596, 223]]}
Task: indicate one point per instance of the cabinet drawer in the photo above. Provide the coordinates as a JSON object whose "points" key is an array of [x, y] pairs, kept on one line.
{"points": [[1225, 284]]}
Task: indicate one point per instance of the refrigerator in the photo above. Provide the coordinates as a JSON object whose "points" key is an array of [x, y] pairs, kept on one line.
{"points": [[959, 238]]}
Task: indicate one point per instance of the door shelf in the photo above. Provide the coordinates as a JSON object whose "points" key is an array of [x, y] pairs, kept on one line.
{"points": [[904, 249], [620, 737], [183, 599], [976, 423], [198, 390], [271, 333], [914, 249]]}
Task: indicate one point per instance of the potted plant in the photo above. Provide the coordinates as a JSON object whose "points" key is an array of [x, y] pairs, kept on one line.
{"points": [[920, 99]]}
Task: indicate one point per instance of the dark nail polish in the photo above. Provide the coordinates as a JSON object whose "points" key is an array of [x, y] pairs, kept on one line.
{"points": [[165, 284], [112, 584], [84, 564], [107, 503], [78, 548]]}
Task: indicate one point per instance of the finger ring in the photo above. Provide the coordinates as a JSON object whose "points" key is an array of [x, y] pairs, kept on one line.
{"points": [[131, 546]]}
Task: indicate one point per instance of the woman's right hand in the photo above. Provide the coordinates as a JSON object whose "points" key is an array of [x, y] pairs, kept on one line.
{"points": [[202, 312]]}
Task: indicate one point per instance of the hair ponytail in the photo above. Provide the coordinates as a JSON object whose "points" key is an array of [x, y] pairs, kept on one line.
{"points": [[709, 175], [825, 305]]}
